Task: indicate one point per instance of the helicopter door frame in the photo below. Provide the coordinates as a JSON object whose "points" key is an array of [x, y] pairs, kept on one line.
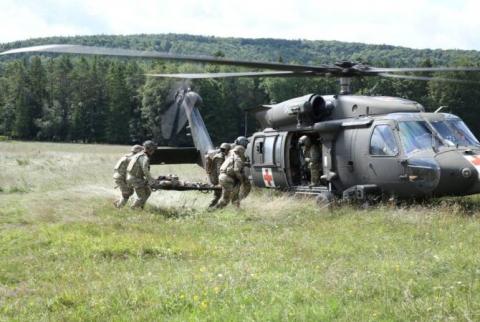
{"points": [[268, 160], [385, 170]]}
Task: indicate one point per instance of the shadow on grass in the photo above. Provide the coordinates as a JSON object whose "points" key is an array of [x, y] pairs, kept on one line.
{"points": [[463, 206], [144, 253], [457, 206], [14, 189], [172, 212]]}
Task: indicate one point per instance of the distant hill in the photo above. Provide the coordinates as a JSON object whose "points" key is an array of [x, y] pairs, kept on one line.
{"points": [[267, 49], [102, 99]]}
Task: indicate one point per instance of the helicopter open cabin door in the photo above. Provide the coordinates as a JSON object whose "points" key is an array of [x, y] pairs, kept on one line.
{"points": [[382, 163], [268, 159]]}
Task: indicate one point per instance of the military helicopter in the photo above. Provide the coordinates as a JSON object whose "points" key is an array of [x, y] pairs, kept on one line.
{"points": [[370, 145]]}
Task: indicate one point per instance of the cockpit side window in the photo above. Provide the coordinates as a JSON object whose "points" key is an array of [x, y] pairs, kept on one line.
{"points": [[416, 136], [383, 142]]}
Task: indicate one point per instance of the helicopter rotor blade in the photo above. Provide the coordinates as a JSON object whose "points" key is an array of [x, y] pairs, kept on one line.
{"points": [[121, 52], [343, 69], [421, 69], [234, 74], [425, 78]]}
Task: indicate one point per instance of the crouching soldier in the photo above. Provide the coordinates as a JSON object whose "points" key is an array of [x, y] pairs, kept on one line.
{"points": [[232, 176], [214, 161], [120, 176], [138, 174]]}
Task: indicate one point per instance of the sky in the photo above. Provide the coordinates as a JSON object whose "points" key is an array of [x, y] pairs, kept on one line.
{"points": [[446, 24]]}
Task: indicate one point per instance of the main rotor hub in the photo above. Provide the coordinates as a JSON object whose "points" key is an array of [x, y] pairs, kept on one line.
{"points": [[345, 64]]}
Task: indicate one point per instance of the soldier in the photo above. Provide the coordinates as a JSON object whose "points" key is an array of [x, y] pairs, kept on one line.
{"points": [[245, 186], [214, 161], [120, 176], [232, 176], [313, 156], [138, 174]]}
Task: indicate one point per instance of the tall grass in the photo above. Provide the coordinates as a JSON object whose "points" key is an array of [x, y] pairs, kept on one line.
{"points": [[67, 254]]}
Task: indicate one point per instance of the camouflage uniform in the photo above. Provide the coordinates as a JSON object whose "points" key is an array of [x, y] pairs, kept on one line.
{"points": [[120, 176], [139, 177], [231, 177], [313, 158], [246, 186], [315, 164], [214, 162]]}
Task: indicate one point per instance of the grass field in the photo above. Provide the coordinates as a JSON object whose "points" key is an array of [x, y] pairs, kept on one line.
{"points": [[67, 254]]}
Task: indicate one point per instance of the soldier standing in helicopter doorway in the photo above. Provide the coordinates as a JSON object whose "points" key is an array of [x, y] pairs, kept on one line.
{"points": [[313, 158], [213, 162]]}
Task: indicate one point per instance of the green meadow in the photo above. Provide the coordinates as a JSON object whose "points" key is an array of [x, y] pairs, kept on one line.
{"points": [[67, 254]]}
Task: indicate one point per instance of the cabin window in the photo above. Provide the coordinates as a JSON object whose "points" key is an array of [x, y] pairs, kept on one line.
{"points": [[258, 150], [269, 149], [278, 150], [383, 141]]}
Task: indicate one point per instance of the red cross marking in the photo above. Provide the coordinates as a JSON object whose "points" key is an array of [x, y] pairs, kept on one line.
{"points": [[267, 177], [475, 160]]}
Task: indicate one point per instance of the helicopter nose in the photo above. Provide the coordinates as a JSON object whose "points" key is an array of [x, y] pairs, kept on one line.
{"points": [[458, 174]]}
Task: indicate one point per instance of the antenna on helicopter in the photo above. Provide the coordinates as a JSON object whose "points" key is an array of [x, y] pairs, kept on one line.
{"points": [[371, 91], [439, 109], [246, 123]]}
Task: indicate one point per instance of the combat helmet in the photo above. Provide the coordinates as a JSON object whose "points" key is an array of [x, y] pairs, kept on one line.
{"points": [[136, 148], [304, 140], [149, 146], [241, 140], [225, 147]]}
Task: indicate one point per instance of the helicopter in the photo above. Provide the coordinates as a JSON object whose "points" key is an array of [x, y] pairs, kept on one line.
{"points": [[371, 146]]}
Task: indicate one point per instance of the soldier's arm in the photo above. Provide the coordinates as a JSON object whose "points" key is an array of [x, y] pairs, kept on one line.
{"points": [[146, 170]]}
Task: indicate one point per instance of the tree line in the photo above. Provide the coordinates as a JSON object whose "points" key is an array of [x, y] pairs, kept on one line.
{"points": [[109, 100]]}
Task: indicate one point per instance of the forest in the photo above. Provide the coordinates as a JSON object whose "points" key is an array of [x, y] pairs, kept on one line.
{"points": [[71, 98]]}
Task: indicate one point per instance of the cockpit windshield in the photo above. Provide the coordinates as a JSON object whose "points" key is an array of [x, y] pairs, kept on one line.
{"points": [[416, 136], [455, 132]]}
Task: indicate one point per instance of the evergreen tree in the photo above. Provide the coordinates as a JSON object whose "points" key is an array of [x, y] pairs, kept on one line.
{"points": [[21, 99], [3, 92], [118, 105], [37, 84], [61, 95], [156, 95], [82, 105], [135, 79], [50, 123], [98, 116]]}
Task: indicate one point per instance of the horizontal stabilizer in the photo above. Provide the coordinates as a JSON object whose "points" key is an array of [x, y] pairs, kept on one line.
{"points": [[172, 155]]}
